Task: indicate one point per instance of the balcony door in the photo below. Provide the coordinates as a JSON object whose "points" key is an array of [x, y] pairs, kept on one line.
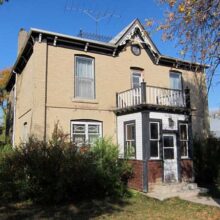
{"points": [[136, 79], [136, 83], [170, 158]]}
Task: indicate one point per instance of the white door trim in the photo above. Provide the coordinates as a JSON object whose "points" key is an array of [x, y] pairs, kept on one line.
{"points": [[170, 165]]}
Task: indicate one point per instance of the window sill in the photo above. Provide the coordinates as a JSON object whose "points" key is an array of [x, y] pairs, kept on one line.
{"points": [[154, 158], [185, 158], [88, 101]]}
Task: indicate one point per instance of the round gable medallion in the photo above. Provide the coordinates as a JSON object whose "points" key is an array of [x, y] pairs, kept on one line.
{"points": [[136, 49]]}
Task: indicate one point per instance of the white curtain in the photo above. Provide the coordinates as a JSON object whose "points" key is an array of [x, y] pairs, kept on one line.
{"points": [[84, 85], [175, 81]]}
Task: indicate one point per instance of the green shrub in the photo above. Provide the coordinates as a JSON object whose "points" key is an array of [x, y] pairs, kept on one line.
{"points": [[58, 171], [110, 169]]}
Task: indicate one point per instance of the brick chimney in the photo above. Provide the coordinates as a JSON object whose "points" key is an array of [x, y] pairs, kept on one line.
{"points": [[22, 36]]}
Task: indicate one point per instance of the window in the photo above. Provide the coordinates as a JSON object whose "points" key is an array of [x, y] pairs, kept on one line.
{"points": [[168, 147], [130, 139], [25, 132], [154, 140], [136, 79], [184, 139], [84, 78], [85, 132], [175, 81]]}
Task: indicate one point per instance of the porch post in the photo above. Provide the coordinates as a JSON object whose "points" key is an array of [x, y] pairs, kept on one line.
{"points": [[143, 92], [145, 148]]}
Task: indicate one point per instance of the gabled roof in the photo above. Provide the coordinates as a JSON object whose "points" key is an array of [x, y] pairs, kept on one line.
{"points": [[128, 32]]}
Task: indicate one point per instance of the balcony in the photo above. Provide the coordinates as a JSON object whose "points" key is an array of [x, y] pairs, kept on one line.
{"points": [[149, 97]]}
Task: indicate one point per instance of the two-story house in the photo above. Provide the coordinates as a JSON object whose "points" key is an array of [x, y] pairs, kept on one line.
{"points": [[150, 104]]}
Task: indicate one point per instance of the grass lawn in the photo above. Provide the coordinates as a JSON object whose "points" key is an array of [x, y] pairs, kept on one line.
{"points": [[136, 207]]}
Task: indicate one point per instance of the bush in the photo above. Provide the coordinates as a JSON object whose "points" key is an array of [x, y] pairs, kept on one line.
{"points": [[206, 160], [113, 173], [57, 171]]}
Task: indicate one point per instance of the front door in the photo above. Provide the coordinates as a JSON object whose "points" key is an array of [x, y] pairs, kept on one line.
{"points": [[170, 158]]}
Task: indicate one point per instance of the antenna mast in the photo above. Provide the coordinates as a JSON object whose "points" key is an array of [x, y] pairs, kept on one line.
{"points": [[95, 15]]}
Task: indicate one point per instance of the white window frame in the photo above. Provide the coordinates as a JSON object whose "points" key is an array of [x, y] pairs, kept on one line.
{"points": [[86, 123], [136, 72], [75, 76], [158, 139], [126, 138], [180, 79], [185, 140]]}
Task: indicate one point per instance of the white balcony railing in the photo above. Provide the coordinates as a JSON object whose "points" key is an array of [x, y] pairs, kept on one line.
{"points": [[165, 97], [151, 95], [129, 98]]}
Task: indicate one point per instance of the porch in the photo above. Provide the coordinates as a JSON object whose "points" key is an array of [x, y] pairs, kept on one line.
{"points": [[154, 98]]}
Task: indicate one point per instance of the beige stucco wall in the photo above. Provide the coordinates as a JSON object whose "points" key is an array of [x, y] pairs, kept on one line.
{"points": [[112, 74], [24, 99]]}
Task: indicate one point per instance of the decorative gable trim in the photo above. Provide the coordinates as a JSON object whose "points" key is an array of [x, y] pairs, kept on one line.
{"points": [[137, 29]]}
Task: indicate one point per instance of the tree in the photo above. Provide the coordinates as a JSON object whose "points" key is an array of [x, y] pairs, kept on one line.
{"points": [[4, 76], [196, 26], [3, 1]]}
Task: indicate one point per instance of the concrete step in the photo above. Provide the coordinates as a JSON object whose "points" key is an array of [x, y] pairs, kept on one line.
{"points": [[175, 187], [184, 189]]}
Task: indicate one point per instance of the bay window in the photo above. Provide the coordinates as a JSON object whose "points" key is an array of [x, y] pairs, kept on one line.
{"points": [[130, 139], [184, 139], [154, 140]]}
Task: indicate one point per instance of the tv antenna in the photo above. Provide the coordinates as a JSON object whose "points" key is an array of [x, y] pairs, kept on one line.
{"points": [[95, 15]]}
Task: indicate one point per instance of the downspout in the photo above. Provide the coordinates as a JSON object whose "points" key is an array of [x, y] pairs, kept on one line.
{"points": [[14, 113], [45, 104]]}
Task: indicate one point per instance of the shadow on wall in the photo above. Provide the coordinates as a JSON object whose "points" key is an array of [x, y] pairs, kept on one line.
{"points": [[199, 105], [206, 161], [186, 170]]}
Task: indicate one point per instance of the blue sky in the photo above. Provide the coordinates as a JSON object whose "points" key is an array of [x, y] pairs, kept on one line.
{"points": [[56, 15]]}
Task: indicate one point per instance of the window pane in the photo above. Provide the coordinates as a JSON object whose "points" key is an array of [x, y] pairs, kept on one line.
{"points": [[183, 132], [79, 139], [84, 78], [84, 67], [168, 153], [93, 138], [136, 80], [168, 141], [93, 129], [175, 81], [130, 148], [184, 148], [154, 149], [154, 131], [130, 132], [78, 129]]}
